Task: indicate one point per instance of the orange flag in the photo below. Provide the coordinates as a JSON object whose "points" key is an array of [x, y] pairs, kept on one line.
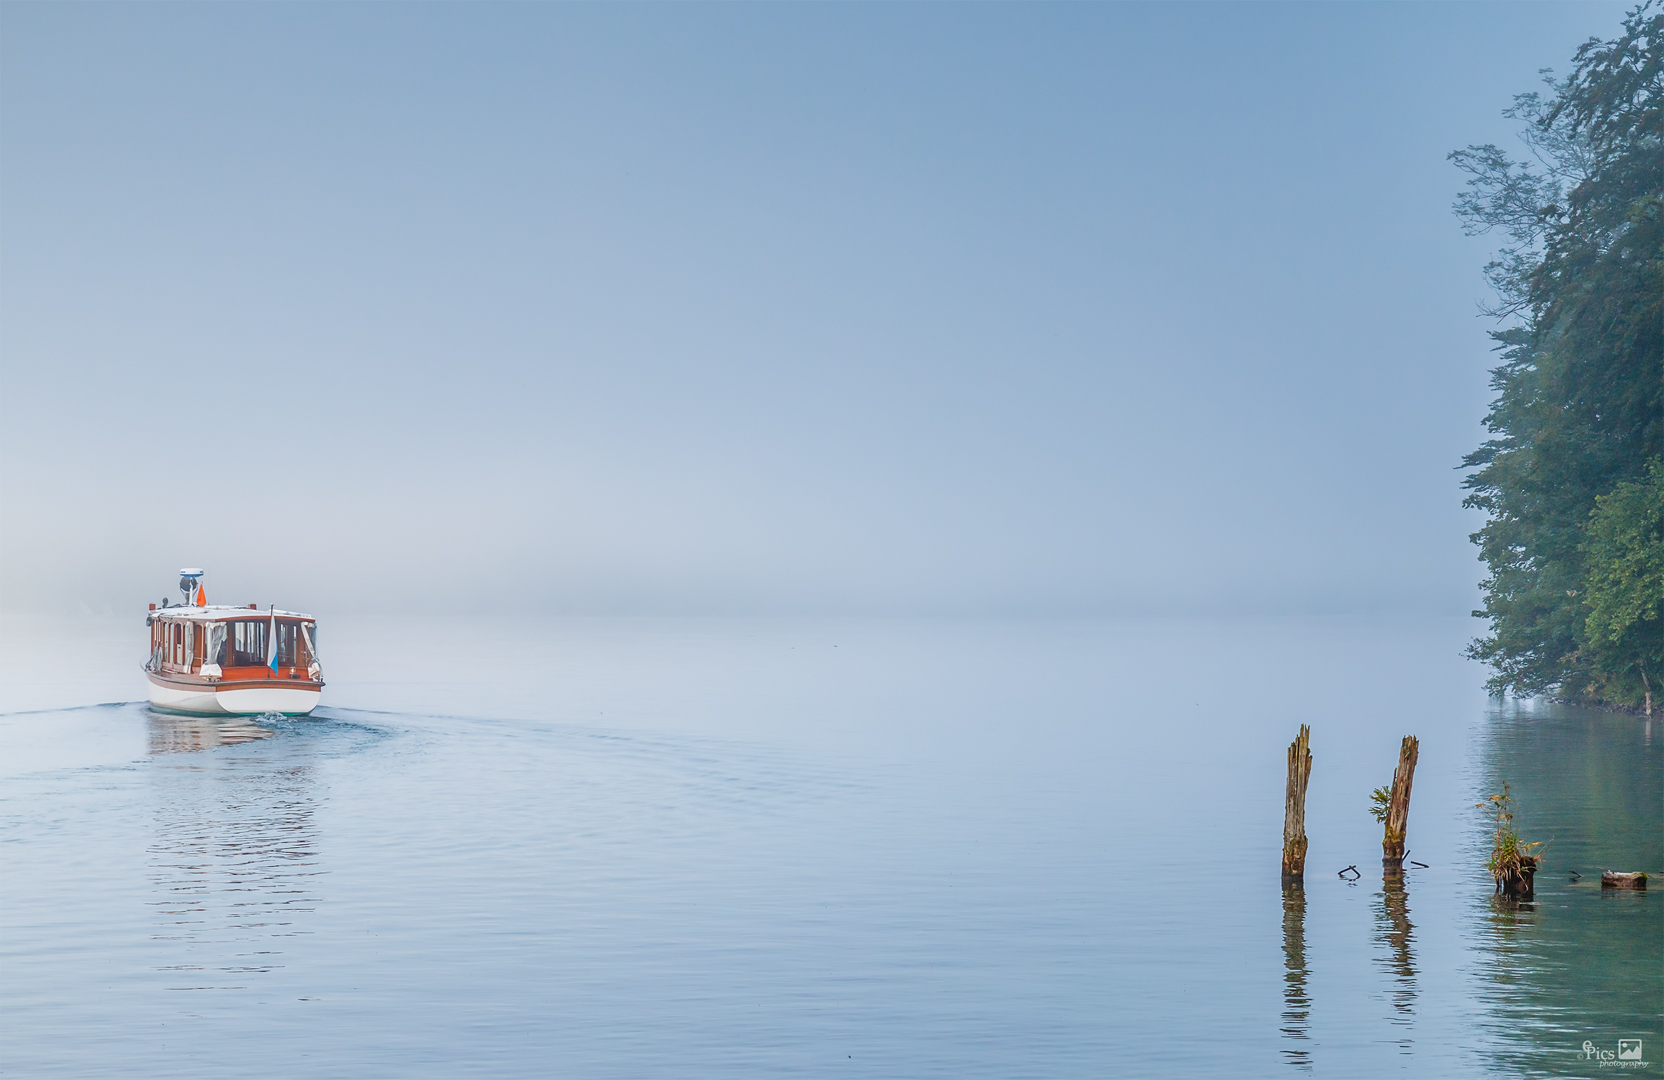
{"points": [[201, 597]]}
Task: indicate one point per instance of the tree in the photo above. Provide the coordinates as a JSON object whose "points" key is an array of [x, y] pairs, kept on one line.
{"points": [[1580, 389], [1623, 556]]}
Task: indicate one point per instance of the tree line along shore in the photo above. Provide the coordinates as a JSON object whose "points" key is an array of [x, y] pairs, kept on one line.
{"points": [[1572, 478]]}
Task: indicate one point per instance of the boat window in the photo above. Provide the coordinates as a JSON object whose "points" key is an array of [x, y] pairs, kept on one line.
{"points": [[287, 636], [216, 644], [310, 631], [248, 643]]}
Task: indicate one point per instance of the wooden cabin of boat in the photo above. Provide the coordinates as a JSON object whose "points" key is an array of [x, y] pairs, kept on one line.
{"points": [[220, 660]]}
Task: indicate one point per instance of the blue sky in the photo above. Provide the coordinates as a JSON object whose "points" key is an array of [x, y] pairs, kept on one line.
{"points": [[744, 308]]}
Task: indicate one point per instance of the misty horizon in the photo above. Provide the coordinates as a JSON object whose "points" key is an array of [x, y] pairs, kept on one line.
{"points": [[568, 310]]}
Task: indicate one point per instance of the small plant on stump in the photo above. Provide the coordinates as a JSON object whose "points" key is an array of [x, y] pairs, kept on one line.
{"points": [[1512, 862], [1379, 800]]}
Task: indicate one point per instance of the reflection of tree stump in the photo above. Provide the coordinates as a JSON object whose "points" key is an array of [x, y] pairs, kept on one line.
{"points": [[1611, 879], [1398, 808], [1294, 806], [1395, 904], [1394, 929], [1297, 1002], [1517, 883]]}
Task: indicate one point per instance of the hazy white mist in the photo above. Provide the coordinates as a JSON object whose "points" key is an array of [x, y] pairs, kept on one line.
{"points": [[747, 309]]}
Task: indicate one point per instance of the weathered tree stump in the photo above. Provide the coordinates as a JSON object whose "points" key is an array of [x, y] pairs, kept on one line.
{"points": [[1294, 806], [1610, 879], [1519, 884], [1398, 808]]}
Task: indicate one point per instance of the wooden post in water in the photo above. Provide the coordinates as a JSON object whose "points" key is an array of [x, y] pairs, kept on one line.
{"points": [[1398, 809], [1294, 806], [1519, 883]]}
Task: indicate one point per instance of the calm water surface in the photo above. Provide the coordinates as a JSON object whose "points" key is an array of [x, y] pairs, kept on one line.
{"points": [[725, 847]]}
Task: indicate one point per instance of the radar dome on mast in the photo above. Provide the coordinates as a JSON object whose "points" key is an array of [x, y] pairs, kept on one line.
{"points": [[190, 583]]}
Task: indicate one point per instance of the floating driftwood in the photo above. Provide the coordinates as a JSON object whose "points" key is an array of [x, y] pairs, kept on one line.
{"points": [[1294, 806], [1610, 879], [1398, 805]]}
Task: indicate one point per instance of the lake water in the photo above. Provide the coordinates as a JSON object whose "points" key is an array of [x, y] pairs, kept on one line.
{"points": [[719, 848]]}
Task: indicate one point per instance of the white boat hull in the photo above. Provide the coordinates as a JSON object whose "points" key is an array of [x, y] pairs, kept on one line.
{"points": [[233, 701]]}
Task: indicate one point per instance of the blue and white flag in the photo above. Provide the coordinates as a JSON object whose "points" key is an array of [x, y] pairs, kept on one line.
{"points": [[271, 643]]}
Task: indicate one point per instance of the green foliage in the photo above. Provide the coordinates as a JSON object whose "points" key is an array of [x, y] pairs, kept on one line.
{"points": [[1580, 405], [1509, 854], [1623, 556], [1380, 801]]}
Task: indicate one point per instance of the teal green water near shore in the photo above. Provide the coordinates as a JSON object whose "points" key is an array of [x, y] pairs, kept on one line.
{"points": [[1578, 962]]}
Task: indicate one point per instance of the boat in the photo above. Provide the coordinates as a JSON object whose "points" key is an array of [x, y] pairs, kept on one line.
{"points": [[209, 659]]}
